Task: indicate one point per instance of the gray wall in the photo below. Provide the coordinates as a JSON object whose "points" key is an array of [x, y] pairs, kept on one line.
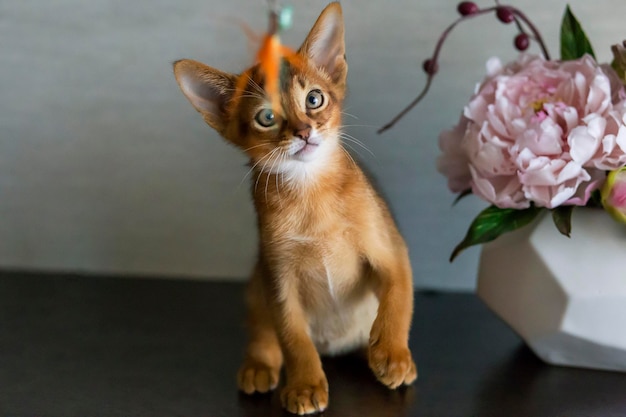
{"points": [[105, 167]]}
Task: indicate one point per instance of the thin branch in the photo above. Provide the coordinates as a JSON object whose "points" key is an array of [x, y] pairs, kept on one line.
{"points": [[433, 61], [408, 108]]}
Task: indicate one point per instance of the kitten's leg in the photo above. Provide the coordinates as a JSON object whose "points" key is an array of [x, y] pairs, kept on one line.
{"points": [[260, 370], [306, 389], [389, 356]]}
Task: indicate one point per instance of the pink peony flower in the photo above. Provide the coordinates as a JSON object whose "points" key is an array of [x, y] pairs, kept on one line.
{"points": [[538, 131]]}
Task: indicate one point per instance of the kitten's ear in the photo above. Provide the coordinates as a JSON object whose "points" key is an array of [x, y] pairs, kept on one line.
{"points": [[325, 45], [209, 90]]}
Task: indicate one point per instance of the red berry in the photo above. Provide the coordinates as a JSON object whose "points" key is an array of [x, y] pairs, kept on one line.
{"points": [[505, 15], [466, 8], [430, 67], [522, 42]]}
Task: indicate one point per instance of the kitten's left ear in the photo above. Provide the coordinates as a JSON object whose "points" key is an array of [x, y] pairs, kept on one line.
{"points": [[325, 44], [208, 89]]}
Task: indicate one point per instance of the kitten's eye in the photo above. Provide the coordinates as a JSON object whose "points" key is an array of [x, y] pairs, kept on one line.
{"points": [[314, 99], [265, 118]]}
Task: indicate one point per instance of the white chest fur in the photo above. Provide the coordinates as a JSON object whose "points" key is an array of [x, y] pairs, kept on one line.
{"points": [[345, 326], [338, 302]]}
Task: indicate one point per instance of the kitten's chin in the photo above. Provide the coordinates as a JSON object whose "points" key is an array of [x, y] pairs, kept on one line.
{"points": [[306, 162]]}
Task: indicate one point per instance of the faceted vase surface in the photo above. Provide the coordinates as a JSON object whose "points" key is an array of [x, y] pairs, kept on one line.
{"points": [[565, 297]]}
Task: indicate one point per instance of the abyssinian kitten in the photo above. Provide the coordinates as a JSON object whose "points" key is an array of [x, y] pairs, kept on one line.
{"points": [[333, 272]]}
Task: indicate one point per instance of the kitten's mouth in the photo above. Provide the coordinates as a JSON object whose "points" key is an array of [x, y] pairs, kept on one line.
{"points": [[308, 148]]}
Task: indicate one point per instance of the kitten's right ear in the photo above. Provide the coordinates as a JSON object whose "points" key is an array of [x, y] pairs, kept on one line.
{"points": [[209, 90], [325, 45]]}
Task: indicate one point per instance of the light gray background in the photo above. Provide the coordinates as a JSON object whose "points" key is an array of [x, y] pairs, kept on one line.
{"points": [[106, 168]]}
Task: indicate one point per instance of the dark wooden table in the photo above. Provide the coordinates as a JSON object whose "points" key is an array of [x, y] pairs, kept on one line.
{"points": [[84, 346]]}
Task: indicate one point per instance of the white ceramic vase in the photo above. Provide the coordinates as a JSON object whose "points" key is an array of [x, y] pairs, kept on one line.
{"points": [[565, 297]]}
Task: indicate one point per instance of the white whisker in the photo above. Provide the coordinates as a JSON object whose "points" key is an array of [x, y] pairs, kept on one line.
{"points": [[267, 158], [256, 96], [349, 157], [249, 94], [282, 159], [267, 180], [358, 126], [282, 174], [354, 150], [352, 139], [257, 146], [253, 166], [350, 115], [257, 86]]}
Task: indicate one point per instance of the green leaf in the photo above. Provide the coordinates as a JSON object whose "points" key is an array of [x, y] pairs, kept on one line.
{"points": [[574, 42], [595, 201], [562, 217], [619, 61], [462, 195], [492, 222]]}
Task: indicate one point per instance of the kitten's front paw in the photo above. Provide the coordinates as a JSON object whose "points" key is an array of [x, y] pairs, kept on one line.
{"points": [[305, 398], [393, 366], [256, 376]]}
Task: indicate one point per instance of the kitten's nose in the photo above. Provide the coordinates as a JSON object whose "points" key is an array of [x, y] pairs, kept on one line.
{"points": [[303, 131]]}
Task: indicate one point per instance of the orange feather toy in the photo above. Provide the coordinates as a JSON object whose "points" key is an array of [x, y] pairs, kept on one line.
{"points": [[269, 59]]}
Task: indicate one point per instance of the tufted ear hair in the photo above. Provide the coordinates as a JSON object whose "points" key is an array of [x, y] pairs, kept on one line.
{"points": [[325, 45], [208, 89]]}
